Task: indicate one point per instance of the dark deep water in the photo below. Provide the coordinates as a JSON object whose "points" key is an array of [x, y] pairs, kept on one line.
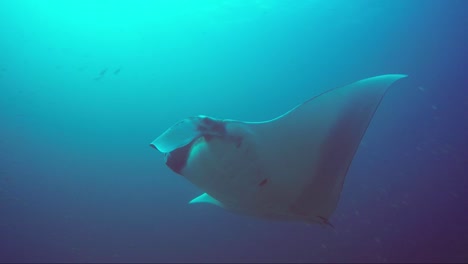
{"points": [[85, 87]]}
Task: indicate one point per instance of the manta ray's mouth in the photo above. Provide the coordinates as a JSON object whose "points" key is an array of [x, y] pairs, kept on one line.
{"points": [[176, 160], [177, 152]]}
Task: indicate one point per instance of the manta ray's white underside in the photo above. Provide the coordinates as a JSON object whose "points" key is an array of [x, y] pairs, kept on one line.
{"points": [[289, 168]]}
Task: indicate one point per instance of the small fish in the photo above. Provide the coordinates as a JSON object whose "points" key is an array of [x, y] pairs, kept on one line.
{"points": [[101, 74], [117, 71], [262, 183]]}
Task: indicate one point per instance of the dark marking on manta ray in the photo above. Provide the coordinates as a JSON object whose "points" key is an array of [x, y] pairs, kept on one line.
{"points": [[208, 137], [211, 128], [325, 221], [238, 141], [263, 182]]}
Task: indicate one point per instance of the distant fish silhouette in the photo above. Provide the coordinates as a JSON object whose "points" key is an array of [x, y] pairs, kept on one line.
{"points": [[101, 75], [117, 71], [103, 72]]}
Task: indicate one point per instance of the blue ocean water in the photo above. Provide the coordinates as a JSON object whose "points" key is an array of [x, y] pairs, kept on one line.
{"points": [[85, 86]]}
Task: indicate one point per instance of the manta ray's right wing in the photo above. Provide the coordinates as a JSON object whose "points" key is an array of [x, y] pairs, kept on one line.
{"points": [[308, 150]]}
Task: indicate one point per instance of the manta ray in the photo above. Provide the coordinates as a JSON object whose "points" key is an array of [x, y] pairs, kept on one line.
{"points": [[289, 168]]}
